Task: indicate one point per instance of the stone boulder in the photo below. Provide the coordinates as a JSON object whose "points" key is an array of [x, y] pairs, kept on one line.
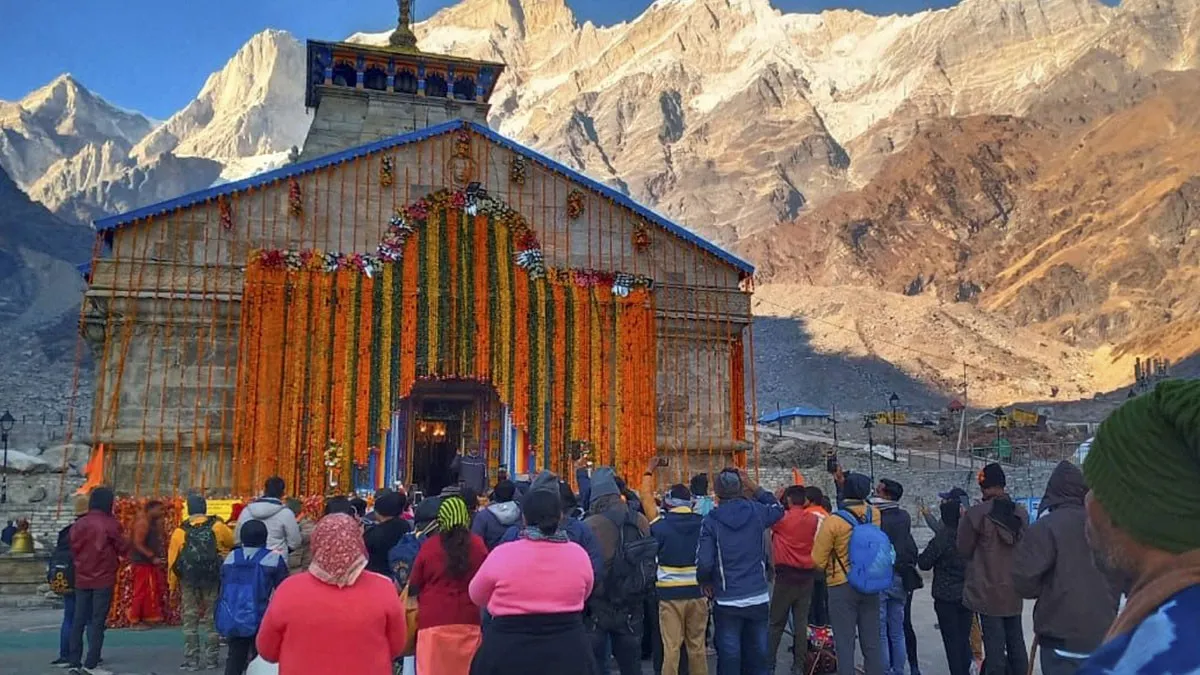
{"points": [[20, 462], [74, 454]]}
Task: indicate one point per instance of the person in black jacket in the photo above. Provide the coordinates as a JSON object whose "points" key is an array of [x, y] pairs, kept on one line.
{"points": [[895, 625], [949, 574], [387, 531]]}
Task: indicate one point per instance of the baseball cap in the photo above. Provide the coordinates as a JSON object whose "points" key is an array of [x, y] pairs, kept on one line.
{"points": [[954, 494]]}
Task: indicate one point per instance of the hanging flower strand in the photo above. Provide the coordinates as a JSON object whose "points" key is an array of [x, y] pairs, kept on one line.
{"points": [[527, 250], [387, 172], [575, 204], [226, 211], [518, 170], [295, 200]]}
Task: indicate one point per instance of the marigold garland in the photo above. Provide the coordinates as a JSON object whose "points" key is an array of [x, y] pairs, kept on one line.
{"points": [[576, 202], [641, 235], [518, 169], [295, 198], [226, 212], [387, 172], [567, 352]]}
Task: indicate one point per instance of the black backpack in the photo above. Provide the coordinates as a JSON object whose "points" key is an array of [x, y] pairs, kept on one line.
{"points": [[60, 573], [634, 568], [199, 564]]}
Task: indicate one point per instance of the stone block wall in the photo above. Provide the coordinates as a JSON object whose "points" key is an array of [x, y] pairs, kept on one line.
{"points": [[918, 484]]}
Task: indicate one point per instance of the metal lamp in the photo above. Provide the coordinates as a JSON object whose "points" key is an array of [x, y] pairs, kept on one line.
{"points": [[6, 425]]}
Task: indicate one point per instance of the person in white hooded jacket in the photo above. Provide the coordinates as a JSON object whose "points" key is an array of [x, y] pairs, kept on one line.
{"points": [[491, 523], [283, 532]]}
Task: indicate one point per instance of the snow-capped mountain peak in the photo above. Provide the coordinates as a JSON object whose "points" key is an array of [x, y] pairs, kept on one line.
{"points": [[58, 120]]}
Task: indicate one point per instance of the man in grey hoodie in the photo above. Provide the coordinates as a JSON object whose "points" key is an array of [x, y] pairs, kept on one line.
{"points": [[283, 532], [491, 523], [1076, 602]]}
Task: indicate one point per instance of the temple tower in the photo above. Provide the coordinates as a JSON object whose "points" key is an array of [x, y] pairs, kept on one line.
{"points": [[363, 93]]}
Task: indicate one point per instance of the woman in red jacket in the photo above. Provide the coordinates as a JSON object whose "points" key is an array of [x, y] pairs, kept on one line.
{"points": [[336, 617], [447, 621]]}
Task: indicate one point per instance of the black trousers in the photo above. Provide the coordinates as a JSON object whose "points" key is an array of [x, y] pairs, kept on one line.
{"points": [[818, 611], [910, 637], [954, 622], [626, 649], [91, 613], [241, 653], [1003, 645]]}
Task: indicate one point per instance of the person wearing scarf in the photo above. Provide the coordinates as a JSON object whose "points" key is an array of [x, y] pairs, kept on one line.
{"points": [[336, 617], [1143, 523], [447, 622], [535, 589]]}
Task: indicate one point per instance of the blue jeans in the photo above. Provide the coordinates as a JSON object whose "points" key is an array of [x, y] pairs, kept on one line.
{"points": [[741, 640], [64, 633], [891, 632]]}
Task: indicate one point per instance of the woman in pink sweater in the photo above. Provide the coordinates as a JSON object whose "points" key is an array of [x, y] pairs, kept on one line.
{"points": [[336, 617], [535, 588]]}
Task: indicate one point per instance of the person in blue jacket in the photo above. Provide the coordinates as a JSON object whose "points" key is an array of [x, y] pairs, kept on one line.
{"points": [[575, 529], [731, 559]]}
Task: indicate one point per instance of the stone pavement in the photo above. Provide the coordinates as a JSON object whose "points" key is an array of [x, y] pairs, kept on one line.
{"points": [[29, 641]]}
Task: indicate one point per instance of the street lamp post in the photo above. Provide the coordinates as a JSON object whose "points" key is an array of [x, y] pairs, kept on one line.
{"points": [[869, 425], [999, 413], [831, 465], [893, 400], [6, 425]]}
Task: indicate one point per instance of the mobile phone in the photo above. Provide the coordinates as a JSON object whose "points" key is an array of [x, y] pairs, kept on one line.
{"points": [[831, 464], [664, 461]]}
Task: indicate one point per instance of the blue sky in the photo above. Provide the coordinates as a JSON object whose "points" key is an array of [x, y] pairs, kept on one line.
{"points": [[154, 55]]}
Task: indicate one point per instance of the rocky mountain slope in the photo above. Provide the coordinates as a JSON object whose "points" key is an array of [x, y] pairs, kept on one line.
{"points": [[40, 290], [1086, 232]]}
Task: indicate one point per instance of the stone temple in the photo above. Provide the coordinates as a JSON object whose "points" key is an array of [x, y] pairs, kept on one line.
{"points": [[415, 299]]}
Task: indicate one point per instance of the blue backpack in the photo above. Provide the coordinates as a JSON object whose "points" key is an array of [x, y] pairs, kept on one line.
{"points": [[872, 556], [402, 556], [244, 595]]}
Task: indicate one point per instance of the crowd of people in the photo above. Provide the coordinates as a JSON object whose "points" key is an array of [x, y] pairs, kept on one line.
{"points": [[541, 577]]}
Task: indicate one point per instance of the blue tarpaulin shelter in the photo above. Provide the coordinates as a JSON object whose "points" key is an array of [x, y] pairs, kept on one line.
{"points": [[791, 413]]}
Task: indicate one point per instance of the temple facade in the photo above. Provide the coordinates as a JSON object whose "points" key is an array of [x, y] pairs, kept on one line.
{"points": [[416, 300]]}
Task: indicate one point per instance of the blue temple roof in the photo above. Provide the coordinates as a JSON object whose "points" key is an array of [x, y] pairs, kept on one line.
{"points": [[300, 168]]}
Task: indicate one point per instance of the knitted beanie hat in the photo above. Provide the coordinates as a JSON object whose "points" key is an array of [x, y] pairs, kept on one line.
{"points": [[1144, 466], [452, 513]]}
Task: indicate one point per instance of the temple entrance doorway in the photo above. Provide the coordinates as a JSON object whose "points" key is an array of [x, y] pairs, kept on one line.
{"points": [[451, 434]]}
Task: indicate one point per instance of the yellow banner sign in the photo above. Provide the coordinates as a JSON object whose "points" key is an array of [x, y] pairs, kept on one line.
{"points": [[886, 417], [221, 508], [1024, 418]]}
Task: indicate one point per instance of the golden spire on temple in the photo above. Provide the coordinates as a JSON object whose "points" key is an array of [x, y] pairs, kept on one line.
{"points": [[403, 37]]}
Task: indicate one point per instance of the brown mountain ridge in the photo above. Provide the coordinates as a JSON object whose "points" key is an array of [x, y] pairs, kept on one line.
{"points": [[1081, 220]]}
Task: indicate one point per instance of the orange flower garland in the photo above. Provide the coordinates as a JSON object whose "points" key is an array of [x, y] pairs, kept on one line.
{"points": [[331, 352]]}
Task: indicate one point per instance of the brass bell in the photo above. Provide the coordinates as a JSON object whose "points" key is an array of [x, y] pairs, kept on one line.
{"points": [[22, 542]]}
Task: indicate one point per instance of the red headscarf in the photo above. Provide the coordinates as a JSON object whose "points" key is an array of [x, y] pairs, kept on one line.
{"points": [[339, 555]]}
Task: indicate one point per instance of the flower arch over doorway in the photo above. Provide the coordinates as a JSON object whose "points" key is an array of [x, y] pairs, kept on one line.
{"points": [[331, 343]]}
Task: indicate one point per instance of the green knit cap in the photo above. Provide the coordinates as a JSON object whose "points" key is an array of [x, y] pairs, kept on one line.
{"points": [[1144, 466]]}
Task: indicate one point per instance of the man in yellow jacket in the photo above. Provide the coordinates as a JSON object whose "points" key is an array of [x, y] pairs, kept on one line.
{"points": [[850, 612], [198, 548]]}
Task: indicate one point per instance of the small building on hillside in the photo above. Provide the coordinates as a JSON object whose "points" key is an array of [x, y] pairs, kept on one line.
{"points": [[797, 417], [417, 293]]}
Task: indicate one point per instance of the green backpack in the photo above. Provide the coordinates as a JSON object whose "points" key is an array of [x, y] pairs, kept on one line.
{"points": [[199, 564]]}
